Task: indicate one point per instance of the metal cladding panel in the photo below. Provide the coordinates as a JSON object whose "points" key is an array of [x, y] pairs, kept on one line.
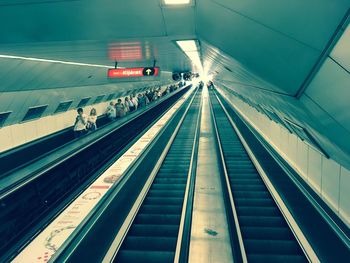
{"points": [[311, 22], [341, 51], [272, 56], [82, 20], [180, 21], [224, 67], [330, 90]]}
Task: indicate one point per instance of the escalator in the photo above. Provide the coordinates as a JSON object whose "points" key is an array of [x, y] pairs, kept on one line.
{"points": [[266, 235], [28, 208], [16, 158], [153, 234]]}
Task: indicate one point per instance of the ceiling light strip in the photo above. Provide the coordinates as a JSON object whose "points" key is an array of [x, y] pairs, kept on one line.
{"points": [[177, 2], [190, 48], [54, 61]]}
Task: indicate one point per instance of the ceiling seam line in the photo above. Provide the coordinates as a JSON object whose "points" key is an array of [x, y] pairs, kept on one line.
{"points": [[323, 56], [340, 65], [264, 25], [326, 112], [256, 87], [163, 18]]}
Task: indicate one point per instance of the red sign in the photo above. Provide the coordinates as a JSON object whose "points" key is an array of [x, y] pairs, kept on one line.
{"points": [[132, 72]]}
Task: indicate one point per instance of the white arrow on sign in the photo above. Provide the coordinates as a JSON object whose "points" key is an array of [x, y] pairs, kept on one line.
{"points": [[148, 71]]}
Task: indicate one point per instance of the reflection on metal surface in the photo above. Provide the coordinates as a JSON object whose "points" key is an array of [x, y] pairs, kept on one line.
{"points": [[210, 239]]}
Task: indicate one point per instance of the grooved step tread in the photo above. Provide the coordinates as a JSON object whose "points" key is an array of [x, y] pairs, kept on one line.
{"points": [[129, 256], [150, 243], [154, 230]]}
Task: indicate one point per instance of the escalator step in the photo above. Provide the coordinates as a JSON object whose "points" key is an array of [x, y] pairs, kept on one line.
{"points": [[248, 194], [262, 202], [173, 186], [259, 258], [250, 187], [276, 233], [281, 247], [150, 243], [170, 180], [163, 200], [166, 193], [264, 221], [157, 219], [257, 211], [130, 256], [160, 209], [154, 230]]}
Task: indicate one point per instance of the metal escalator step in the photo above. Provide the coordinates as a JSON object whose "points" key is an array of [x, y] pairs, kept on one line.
{"points": [[275, 233], [162, 200], [281, 247], [174, 169], [157, 219], [264, 221], [160, 209], [243, 181], [150, 243], [174, 174], [257, 211], [251, 194], [131, 256], [234, 174], [170, 180], [262, 258], [262, 202], [166, 193], [174, 186], [154, 230], [250, 187]]}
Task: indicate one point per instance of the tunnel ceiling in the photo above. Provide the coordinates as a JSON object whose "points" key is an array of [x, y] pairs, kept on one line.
{"points": [[268, 44]]}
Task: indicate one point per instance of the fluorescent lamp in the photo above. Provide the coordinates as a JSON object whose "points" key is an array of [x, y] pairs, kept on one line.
{"points": [[187, 45], [176, 2], [190, 48]]}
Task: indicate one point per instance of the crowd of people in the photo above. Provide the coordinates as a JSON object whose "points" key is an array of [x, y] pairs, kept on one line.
{"points": [[115, 110]]}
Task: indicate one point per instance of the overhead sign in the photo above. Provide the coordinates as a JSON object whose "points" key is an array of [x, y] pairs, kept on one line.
{"points": [[133, 72]]}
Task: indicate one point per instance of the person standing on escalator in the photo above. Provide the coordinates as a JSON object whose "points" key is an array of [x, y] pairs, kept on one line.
{"points": [[91, 123], [80, 123], [111, 112]]}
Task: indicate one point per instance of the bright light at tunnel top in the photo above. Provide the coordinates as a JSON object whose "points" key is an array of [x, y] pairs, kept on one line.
{"points": [[187, 45], [190, 48], [176, 2]]}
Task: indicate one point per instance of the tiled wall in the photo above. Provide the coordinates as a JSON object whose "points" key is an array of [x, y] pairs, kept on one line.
{"points": [[328, 178]]}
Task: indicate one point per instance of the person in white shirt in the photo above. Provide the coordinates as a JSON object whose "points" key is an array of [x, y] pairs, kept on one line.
{"points": [[134, 101], [80, 123], [91, 122], [111, 112]]}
